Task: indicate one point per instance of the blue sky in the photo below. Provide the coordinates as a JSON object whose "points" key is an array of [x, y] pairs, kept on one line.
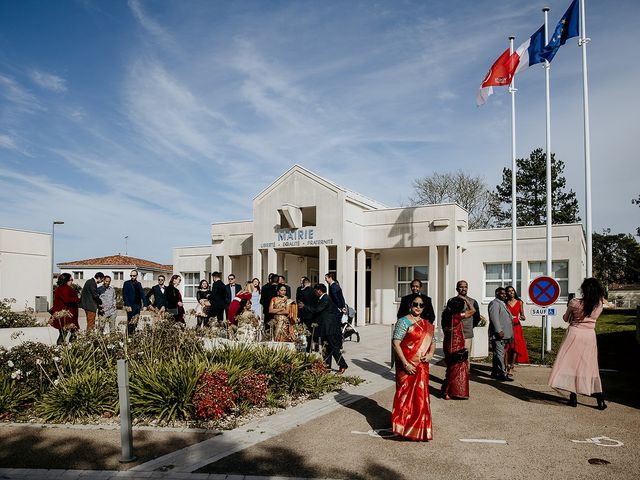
{"points": [[154, 119]]}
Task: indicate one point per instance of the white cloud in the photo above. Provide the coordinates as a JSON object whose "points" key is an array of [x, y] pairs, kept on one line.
{"points": [[49, 81], [7, 142], [160, 34]]}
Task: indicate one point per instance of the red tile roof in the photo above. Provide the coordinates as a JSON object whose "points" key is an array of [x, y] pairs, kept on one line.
{"points": [[118, 261]]}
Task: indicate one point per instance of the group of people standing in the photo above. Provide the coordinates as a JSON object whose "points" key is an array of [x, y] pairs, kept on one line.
{"points": [[575, 369]]}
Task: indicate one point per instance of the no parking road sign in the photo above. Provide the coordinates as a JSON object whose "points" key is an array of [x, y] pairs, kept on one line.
{"points": [[544, 291]]}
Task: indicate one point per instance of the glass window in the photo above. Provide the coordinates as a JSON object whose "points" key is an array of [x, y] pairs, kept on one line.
{"points": [[499, 275], [405, 275], [560, 270], [78, 275], [191, 281], [118, 275]]}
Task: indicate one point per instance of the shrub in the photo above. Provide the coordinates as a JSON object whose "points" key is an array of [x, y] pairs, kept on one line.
{"points": [[34, 360], [11, 319], [253, 388], [163, 389], [79, 396], [213, 397], [14, 395]]}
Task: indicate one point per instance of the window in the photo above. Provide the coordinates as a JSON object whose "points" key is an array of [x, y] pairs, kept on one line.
{"points": [[118, 275], [560, 270], [191, 281], [499, 275], [78, 275], [405, 275]]}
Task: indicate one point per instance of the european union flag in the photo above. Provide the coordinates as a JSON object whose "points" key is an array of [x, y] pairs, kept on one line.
{"points": [[568, 27]]}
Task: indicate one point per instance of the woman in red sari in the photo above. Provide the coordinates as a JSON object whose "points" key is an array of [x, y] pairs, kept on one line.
{"points": [[413, 345], [516, 351], [456, 381]]}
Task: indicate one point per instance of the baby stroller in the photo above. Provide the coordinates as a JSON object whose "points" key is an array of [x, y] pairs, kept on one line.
{"points": [[348, 327]]}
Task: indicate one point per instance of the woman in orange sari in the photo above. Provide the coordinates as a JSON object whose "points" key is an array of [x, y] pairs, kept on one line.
{"points": [[413, 345], [285, 314]]}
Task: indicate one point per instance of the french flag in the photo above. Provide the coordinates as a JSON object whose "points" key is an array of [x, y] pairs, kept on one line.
{"points": [[530, 52]]}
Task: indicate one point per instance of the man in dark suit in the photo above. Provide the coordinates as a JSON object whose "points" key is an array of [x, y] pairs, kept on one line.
{"points": [[306, 296], [134, 299], [500, 333], [157, 292], [269, 291], [324, 314], [405, 303], [90, 299], [283, 281], [231, 290], [335, 293], [217, 297]]}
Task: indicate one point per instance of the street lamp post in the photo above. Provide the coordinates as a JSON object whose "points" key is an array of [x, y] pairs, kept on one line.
{"points": [[53, 234]]}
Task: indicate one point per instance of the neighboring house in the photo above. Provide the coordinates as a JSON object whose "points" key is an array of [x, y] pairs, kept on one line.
{"points": [[25, 266], [304, 224], [118, 268], [625, 296]]}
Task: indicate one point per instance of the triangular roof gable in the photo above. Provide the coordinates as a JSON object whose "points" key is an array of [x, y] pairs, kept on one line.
{"points": [[290, 174], [334, 187]]}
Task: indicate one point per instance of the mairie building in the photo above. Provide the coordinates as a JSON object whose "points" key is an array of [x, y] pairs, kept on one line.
{"points": [[305, 225]]}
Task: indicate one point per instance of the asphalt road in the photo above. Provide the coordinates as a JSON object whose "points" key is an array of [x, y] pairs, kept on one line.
{"points": [[537, 426]]}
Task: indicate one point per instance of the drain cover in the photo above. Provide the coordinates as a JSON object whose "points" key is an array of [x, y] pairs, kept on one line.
{"points": [[598, 461]]}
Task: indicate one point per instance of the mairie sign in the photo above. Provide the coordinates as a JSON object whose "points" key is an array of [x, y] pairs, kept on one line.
{"points": [[544, 291]]}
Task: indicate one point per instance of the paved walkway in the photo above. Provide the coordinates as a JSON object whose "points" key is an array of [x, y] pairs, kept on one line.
{"points": [[506, 430]]}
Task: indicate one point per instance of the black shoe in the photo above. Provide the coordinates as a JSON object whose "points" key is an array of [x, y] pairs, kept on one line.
{"points": [[573, 400], [600, 399], [504, 378]]}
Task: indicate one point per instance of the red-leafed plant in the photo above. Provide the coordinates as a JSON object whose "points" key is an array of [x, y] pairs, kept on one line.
{"points": [[213, 397], [253, 388]]}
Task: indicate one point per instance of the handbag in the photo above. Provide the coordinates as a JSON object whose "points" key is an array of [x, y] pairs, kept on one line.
{"points": [[460, 355]]}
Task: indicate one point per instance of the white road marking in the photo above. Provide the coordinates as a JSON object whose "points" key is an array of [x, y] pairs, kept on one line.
{"points": [[608, 442], [382, 433], [483, 440]]}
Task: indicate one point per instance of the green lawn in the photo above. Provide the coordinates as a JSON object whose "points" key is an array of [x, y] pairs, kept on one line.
{"points": [[617, 346]]}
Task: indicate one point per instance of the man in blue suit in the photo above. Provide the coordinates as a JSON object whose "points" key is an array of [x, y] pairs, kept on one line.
{"points": [[335, 293], [134, 300]]}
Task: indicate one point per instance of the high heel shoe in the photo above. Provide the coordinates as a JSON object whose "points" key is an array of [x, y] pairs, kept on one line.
{"points": [[600, 399], [573, 400]]}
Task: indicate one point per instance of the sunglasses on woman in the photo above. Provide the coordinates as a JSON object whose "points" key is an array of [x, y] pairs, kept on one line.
{"points": [[417, 305]]}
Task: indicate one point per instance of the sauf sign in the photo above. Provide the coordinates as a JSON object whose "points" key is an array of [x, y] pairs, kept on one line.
{"points": [[544, 291], [297, 237]]}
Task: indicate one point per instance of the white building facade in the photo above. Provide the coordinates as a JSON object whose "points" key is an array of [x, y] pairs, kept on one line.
{"points": [[304, 225], [25, 266]]}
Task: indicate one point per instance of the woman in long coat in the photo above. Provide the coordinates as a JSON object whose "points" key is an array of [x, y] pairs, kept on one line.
{"points": [[64, 312]]}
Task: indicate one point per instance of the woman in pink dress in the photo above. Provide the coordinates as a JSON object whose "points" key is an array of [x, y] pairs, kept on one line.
{"points": [[516, 351], [576, 367]]}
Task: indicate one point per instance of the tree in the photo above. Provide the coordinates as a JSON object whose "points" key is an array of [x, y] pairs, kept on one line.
{"points": [[470, 192], [531, 195], [616, 258]]}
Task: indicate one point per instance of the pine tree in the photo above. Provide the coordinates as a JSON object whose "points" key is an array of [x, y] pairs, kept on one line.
{"points": [[531, 195]]}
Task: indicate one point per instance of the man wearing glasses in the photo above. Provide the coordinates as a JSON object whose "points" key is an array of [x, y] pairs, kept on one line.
{"points": [[231, 290], [158, 294], [134, 300], [405, 303]]}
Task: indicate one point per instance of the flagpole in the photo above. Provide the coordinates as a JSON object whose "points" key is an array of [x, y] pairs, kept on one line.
{"points": [[587, 138], [514, 218], [549, 267]]}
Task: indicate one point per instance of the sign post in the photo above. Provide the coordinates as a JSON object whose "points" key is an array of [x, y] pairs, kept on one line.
{"points": [[544, 291]]}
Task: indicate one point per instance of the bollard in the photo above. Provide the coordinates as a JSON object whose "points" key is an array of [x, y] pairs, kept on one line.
{"points": [[126, 433]]}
